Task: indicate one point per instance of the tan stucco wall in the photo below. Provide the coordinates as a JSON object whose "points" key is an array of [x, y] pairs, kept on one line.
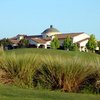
{"points": [[84, 43], [80, 37], [50, 34]]}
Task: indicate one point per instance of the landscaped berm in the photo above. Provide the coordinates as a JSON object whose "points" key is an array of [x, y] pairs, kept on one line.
{"points": [[39, 74]]}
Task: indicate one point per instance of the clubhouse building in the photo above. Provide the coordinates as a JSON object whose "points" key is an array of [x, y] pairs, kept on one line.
{"points": [[44, 39]]}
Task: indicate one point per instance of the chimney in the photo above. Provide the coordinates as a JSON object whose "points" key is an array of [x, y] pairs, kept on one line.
{"points": [[51, 26]]}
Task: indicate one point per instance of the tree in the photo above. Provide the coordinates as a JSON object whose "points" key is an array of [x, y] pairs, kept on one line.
{"points": [[91, 45], [5, 42], [23, 43], [55, 44], [74, 47], [68, 43], [52, 45]]}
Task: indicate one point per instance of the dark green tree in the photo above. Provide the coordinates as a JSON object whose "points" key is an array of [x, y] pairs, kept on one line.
{"points": [[68, 43], [91, 45], [5, 42], [55, 44], [24, 43], [74, 47]]}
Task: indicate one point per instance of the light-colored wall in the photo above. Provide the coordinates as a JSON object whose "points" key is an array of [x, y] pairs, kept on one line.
{"points": [[83, 43], [80, 37], [38, 44], [14, 44], [50, 34], [20, 37], [48, 43], [97, 48], [53, 33], [83, 49]]}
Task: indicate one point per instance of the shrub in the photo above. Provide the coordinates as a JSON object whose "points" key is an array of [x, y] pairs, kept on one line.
{"points": [[49, 74], [57, 72], [20, 68]]}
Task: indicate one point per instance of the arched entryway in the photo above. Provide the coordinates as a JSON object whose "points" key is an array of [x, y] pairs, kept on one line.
{"points": [[32, 46], [41, 46]]}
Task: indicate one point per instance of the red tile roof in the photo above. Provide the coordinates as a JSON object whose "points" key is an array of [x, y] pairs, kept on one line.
{"points": [[14, 41], [33, 36], [13, 38], [60, 36], [63, 36], [39, 40], [47, 38]]}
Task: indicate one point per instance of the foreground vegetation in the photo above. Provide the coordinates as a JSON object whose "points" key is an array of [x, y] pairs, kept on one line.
{"points": [[51, 69], [13, 93]]}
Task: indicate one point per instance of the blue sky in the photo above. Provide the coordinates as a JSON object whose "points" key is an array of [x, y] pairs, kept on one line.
{"points": [[33, 16]]}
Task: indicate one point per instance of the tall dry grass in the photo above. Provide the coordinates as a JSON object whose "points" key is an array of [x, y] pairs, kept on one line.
{"points": [[20, 68], [65, 73], [62, 70]]}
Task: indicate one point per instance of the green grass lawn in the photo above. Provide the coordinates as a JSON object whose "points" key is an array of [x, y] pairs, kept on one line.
{"points": [[14, 93]]}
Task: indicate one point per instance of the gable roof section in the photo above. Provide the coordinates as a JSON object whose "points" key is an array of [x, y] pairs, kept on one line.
{"points": [[34, 36], [14, 41], [47, 38], [13, 38], [83, 40], [38, 40], [63, 36]]}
